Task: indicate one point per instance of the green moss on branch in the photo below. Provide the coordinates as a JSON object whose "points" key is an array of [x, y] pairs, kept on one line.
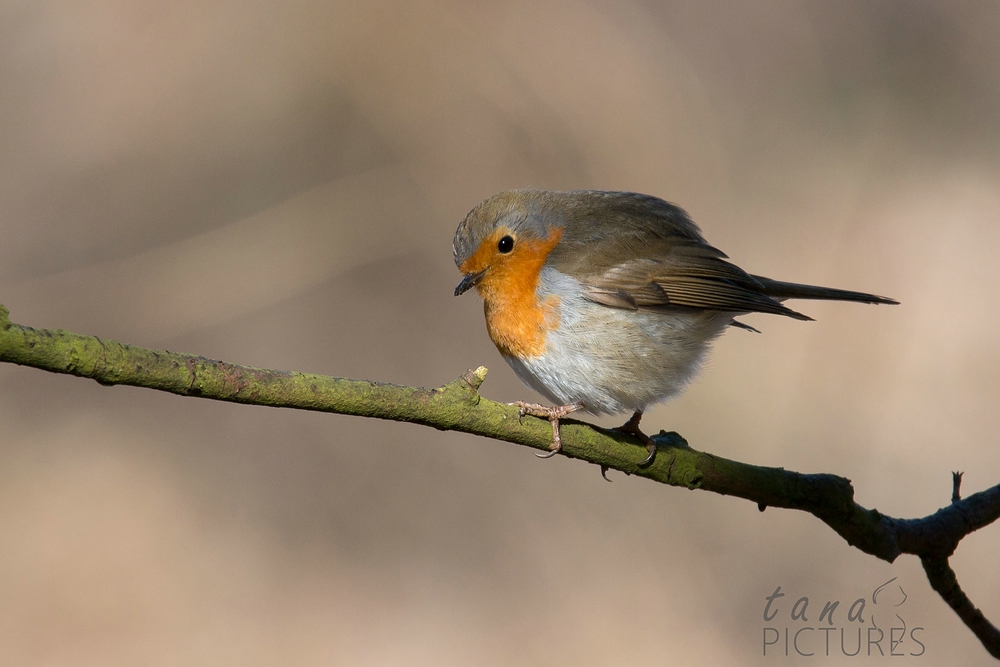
{"points": [[458, 406]]}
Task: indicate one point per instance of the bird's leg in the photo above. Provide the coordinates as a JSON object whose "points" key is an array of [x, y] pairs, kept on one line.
{"points": [[553, 415], [632, 428]]}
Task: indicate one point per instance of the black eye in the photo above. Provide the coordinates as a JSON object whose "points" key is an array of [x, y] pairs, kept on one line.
{"points": [[506, 244]]}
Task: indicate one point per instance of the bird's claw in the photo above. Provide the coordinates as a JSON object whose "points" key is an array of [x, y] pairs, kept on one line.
{"points": [[632, 428], [651, 446], [553, 415]]}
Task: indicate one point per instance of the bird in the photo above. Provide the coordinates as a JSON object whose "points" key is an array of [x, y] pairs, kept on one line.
{"points": [[607, 302]]}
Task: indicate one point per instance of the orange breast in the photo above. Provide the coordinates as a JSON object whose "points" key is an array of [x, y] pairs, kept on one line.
{"points": [[516, 319]]}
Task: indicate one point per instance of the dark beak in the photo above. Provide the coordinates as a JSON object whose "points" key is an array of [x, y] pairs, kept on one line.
{"points": [[469, 281]]}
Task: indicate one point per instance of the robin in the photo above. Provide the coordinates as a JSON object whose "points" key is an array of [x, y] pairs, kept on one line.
{"points": [[607, 301]]}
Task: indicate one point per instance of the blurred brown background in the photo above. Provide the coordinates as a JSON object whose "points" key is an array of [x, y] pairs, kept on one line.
{"points": [[277, 184]]}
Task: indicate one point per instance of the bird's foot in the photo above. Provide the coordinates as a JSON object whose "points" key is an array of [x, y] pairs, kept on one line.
{"points": [[553, 414], [632, 428]]}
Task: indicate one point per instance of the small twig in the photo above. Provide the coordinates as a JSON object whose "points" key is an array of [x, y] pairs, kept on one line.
{"points": [[956, 486]]}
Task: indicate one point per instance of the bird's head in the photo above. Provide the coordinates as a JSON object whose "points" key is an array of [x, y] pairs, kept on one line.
{"points": [[505, 241]]}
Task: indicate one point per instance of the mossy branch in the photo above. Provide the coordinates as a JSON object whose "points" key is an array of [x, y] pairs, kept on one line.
{"points": [[458, 406]]}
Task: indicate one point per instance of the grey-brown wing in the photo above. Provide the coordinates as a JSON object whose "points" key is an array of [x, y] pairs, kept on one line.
{"points": [[689, 275], [635, 251]]}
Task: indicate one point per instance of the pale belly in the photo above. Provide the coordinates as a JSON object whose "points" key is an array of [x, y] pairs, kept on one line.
{"points": [[612, 360]]}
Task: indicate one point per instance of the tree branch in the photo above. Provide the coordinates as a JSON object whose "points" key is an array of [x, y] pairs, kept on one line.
{"points": [[458, 406], [943, 580]]}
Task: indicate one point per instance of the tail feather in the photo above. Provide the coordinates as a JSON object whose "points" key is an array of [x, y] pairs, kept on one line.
{"points": [[781, 290]]}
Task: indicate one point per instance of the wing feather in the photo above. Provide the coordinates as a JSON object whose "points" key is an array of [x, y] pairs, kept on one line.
{"points": [[638, 252]]}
